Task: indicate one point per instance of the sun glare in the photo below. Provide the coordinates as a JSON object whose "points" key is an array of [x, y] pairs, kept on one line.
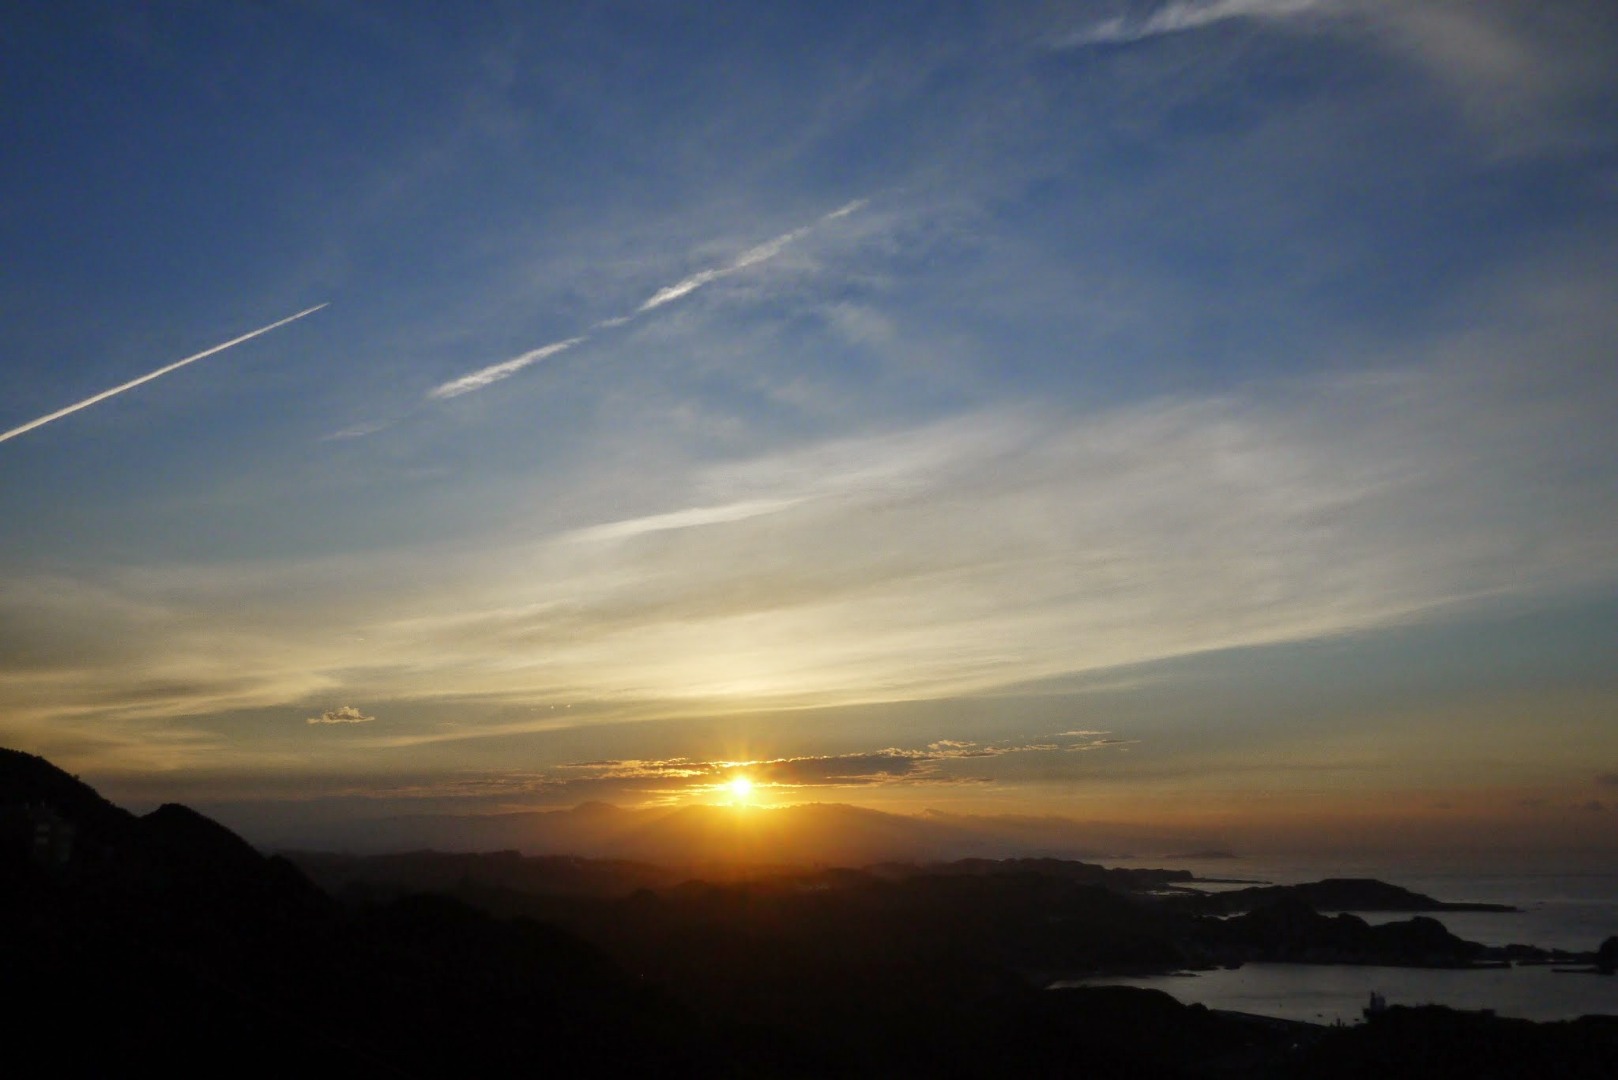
{"points": [[741, 788]]}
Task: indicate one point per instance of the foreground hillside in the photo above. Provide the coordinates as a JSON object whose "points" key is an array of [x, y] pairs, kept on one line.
{"points": [[167, 940]]}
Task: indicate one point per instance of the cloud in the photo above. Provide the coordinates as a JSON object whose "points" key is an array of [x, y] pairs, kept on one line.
{"points": [[964, 555], [486, 376], [889, 766], [683, 519], [1521, 73], [846, 209], [347, 714], [751, 257], [477, 380], [1184, 15], [1518, 72], [1607, 779]]}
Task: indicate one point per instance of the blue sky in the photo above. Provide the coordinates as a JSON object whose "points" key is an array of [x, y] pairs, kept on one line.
{"points": [[1199, 411]]}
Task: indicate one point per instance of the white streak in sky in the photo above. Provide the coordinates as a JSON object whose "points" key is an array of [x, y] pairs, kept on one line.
{"points": [[685, 519], [504, 370], [477, 380], [1189, 15], [751, 257], [679, 289], [131, 384]]}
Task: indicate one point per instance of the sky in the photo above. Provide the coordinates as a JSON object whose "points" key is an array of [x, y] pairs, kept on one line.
{"points": [[1200, 414]]}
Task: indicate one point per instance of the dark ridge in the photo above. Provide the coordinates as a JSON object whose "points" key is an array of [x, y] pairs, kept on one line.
{"points": [[1421, 1043], [30, 781], [171, 942], [1289, 930], [1330, 894], [175, 944]]}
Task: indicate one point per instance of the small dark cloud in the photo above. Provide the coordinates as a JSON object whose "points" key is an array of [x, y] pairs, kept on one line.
{"points": [[346, 714], [1607, 779], [883, 766], [891, 765], [1594, 806]]}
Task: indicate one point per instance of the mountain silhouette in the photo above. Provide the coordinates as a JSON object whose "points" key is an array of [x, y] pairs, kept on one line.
{"points": [[167, 940], [710, 836], [167, 943]]}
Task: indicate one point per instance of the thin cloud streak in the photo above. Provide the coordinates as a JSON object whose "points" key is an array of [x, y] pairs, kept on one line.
{"points": [[684, 519], [1190, 15], [131, 384], [477, 380], [846, 209], [987, 551], [751, 257]]}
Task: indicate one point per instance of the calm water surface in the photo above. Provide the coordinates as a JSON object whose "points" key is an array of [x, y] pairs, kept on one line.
{"points": [[1563, 908], [1323, 993]]}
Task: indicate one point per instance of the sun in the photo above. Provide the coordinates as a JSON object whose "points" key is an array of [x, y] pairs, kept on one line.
{"points": [[740, 787]]}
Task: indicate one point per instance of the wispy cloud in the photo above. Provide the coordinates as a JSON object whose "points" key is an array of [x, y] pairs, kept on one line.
{"points": [[1524, 75], [346, 714], [1185, 15], [132, 383], [751, 257], [851, 207], [477, 380], [951, 557], [889, 766], [684, 519], [487, 376], [991, 549], [1516, 73]]}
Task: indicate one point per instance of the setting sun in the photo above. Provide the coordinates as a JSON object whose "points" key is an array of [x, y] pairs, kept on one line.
{"points": [[740, 787]]}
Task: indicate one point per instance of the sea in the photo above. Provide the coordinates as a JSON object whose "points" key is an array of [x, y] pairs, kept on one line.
{"points": [[1562, 907]]}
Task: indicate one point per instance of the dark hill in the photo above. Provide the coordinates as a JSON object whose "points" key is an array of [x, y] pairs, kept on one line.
{"points": [[168, 940], [1331, 894], [168, 944], [29, 782]]}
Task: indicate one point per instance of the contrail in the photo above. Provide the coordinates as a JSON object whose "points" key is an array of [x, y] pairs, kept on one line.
{"points": [[505, 369], [477, 380], [752, 257], [132, 383]]}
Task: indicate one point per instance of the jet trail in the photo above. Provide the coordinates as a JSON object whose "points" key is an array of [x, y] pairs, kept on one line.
{"points": [[752, 257], [505, 369], [132, 383], [482, 377]]}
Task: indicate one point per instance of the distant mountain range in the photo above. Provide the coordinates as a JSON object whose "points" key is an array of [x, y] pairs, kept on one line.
{"points": [[167, 942], [811, 834]]}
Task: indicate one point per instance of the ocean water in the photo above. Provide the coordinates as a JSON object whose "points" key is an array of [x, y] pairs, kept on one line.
{"points": [[1562, 908], [1328, 993]]}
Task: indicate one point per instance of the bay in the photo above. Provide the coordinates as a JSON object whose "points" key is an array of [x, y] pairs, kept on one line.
{"points": [[1563, 906]]}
